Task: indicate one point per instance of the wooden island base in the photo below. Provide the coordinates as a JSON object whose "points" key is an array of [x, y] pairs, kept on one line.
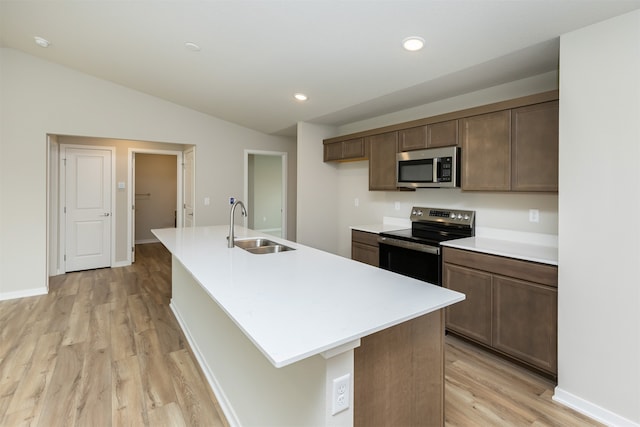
{"points": [[399, 375]]}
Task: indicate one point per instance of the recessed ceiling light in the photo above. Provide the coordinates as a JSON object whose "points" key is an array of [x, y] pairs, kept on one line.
{"points": [[41, 42], [413, 43], [300, 96], [192, 47]]}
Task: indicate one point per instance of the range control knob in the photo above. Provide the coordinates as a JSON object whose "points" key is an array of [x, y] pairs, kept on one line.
{"points": [[466, 217], [452, 215], [459, 216], [419, 213]]}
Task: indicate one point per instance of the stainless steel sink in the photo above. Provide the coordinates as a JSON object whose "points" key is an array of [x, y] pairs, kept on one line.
{"points": [[269, 249], [261, 246], [254, 243]]}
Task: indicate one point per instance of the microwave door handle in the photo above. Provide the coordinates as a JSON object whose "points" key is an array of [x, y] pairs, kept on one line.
{"points": [[436, 163]]}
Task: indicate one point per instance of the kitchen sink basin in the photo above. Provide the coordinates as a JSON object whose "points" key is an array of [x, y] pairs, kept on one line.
{"points": [[269, 249], [253, 243], [261, 246]]}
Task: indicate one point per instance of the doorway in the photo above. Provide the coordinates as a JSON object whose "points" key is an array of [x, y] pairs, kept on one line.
{"points": [[266, 191], [160, 189]]}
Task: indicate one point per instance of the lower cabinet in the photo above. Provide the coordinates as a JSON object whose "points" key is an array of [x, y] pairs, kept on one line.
{"points": [[364, 247], [510, 305]]}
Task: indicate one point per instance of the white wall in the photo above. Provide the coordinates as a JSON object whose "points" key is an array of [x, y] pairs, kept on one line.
{"points": [[345, 182], [317, 190], [40, 98], [599, 241]]}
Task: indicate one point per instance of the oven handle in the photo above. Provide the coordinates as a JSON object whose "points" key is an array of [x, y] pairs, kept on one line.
{"points": [[409, 245]]}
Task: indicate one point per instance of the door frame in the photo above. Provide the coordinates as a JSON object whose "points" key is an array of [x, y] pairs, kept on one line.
{"points": [[131, 191], [284, 167], [62, 196]]}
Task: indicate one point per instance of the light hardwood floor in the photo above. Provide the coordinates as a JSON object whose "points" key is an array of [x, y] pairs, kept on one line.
{"points": [[103, 349]]}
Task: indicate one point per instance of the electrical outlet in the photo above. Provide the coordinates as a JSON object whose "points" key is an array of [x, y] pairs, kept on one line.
{"points": [[232, 200], [397, 205], [534, 215], [341, 392], [207, 201], [356, 202]]}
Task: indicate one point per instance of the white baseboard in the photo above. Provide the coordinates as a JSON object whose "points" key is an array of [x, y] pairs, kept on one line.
{"points": [[591, 410], [223, 401], [23, 294], [121, 264]]}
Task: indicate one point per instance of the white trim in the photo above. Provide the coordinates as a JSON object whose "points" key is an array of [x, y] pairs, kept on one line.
{"points": [[193, 185], [62, 196], [131, 193], [284, 167], [221, 397], [23, 294], [121, 264], [591, 410]]}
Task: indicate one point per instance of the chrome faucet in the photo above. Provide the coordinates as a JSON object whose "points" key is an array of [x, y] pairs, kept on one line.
{"points": [[230, 237]]}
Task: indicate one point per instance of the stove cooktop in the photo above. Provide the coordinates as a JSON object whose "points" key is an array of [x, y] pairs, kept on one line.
{"points": [[430, 226]]}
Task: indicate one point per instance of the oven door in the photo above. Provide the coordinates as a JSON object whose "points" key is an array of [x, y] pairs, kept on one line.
{"points": [[411, 259]]}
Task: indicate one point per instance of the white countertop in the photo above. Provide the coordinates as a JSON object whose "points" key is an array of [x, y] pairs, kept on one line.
{"points": [[532, 247], [297, 304], [508, 248]]}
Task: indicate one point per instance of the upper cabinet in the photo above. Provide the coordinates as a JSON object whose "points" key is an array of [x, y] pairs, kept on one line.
{"points": [[511, 150], [486, 152], [350, 149], [506, 146], [433, 135], [382, 161], [534, 147]]}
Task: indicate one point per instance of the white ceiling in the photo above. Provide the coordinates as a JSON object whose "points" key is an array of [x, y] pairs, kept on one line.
{"points": [[345, 55]]}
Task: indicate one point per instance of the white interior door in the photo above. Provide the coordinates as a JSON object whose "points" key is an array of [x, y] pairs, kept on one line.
{"points": [[188, 169], [87, 209]]}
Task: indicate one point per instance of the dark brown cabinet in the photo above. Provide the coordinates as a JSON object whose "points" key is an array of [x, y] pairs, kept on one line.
{"points": [[511, 150], [412, 138], [524, 321], [364, 247], [486, 152], [471, 317], [433, 135], [506, 146], [351, 149], [510, 305], [382, 161], [535, 147]]}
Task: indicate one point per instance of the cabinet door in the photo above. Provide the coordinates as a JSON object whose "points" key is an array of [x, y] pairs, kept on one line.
{"points": [[333, 151], [471, 317], [353, 148], [382, 161], [525, 321], [412, 139], [442, 134], [486, 152], [365, 253], [535, 147]]}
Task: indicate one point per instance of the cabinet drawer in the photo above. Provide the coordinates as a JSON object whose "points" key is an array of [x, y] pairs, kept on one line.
{"points": [[525, 270], [364, 237]]}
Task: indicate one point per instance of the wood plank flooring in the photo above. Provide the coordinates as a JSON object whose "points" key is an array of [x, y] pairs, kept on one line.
{"points": [[103, 349]]}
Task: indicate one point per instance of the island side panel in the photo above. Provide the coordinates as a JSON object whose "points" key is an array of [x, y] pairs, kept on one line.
{"points": [[250, 390], [399, 375]]}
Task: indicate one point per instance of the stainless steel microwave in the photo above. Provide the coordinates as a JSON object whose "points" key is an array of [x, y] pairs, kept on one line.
{"points": [[431, 167]]}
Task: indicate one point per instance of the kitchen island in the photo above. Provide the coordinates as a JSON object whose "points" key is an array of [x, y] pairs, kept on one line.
{"points": [[272, 332]]}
